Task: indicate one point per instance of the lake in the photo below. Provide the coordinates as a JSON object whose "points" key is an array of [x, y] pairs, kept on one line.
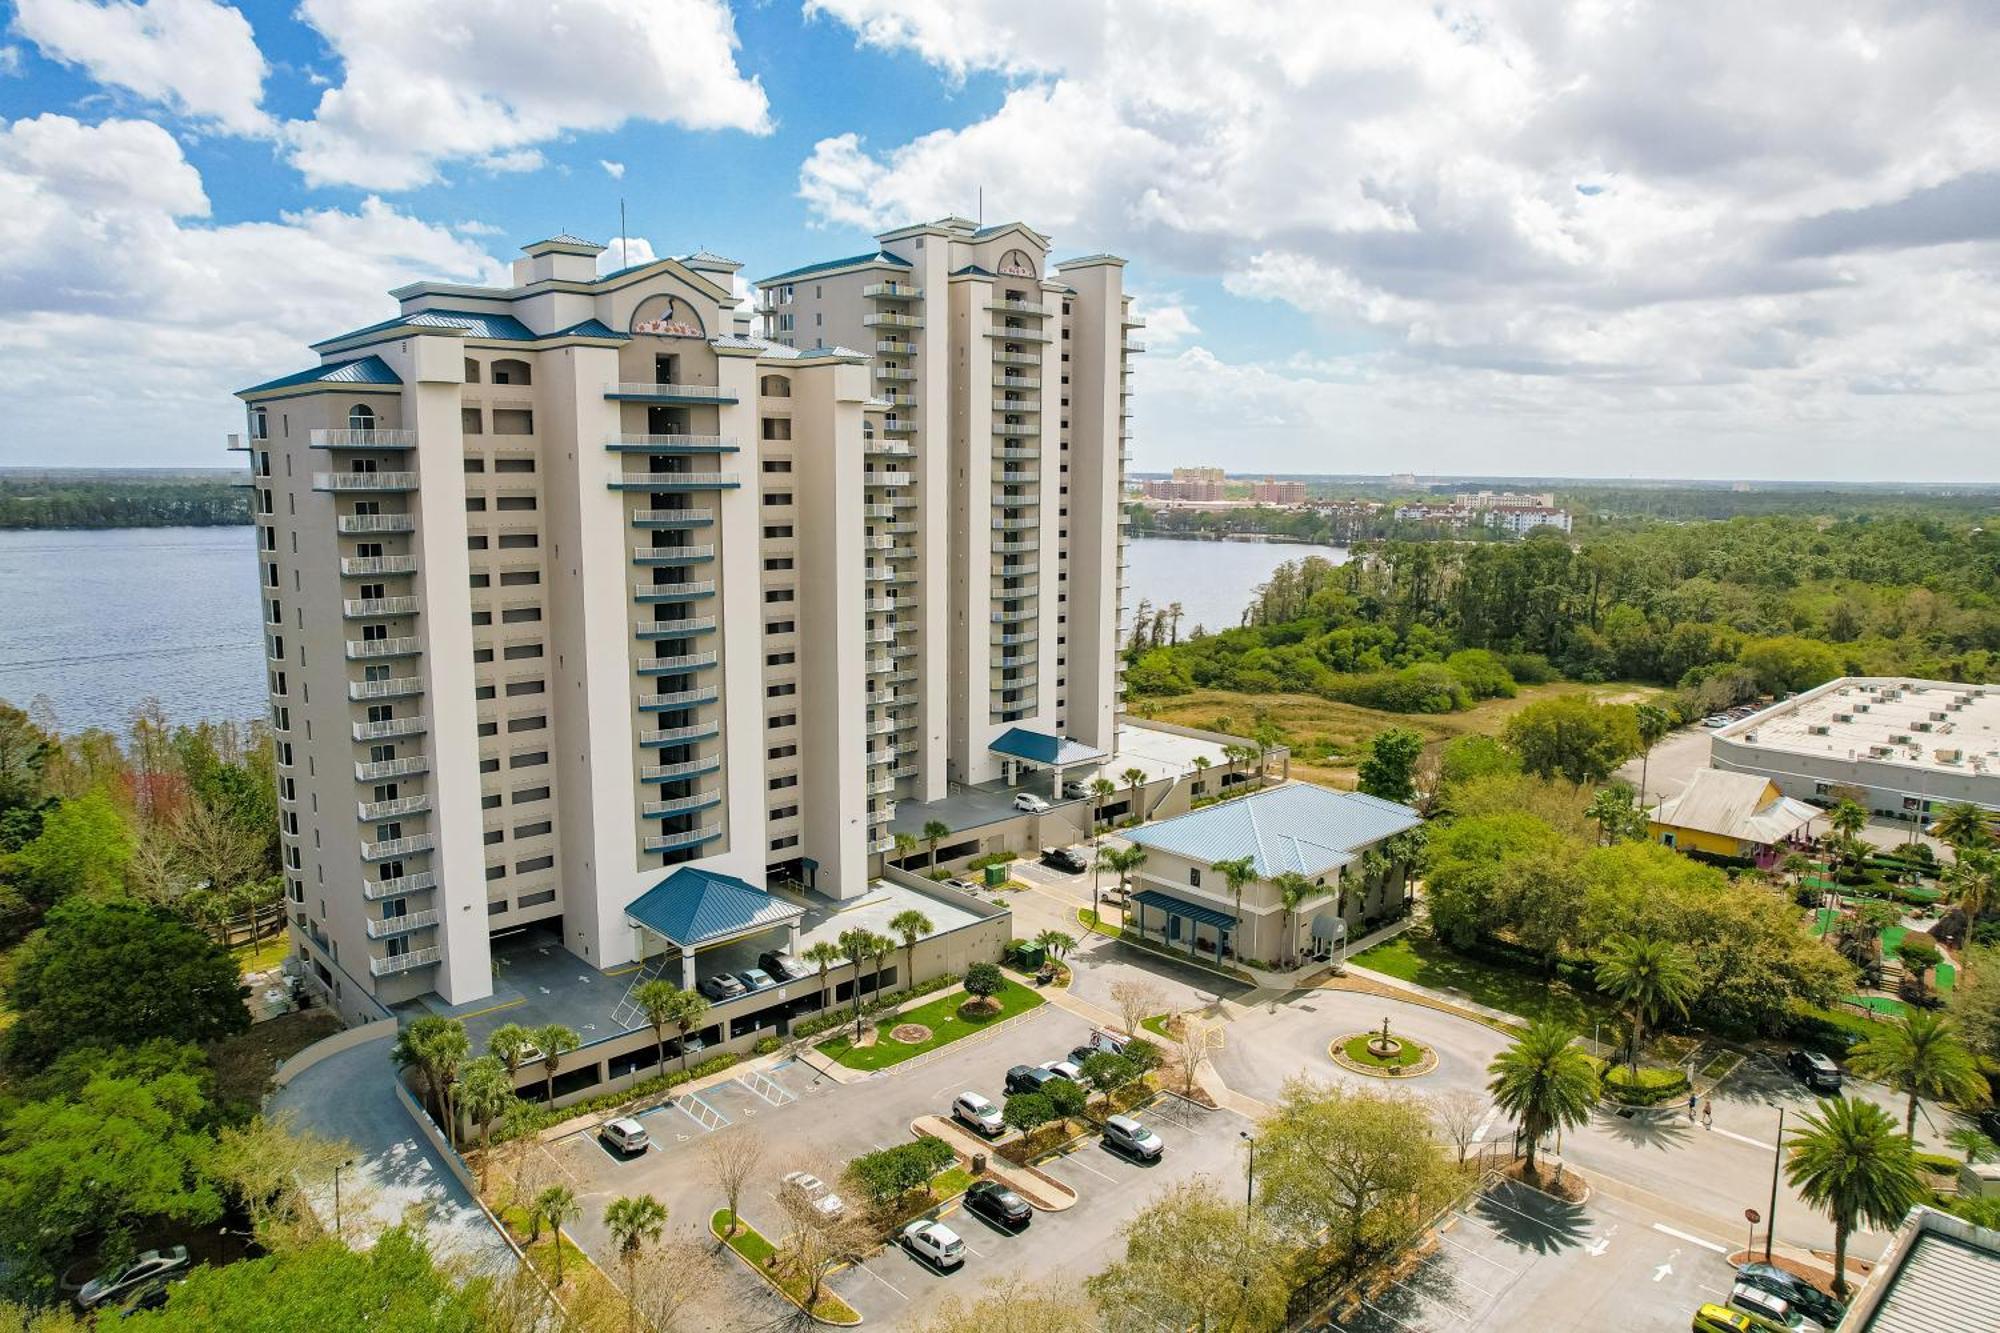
{"points": [[98, 620], [1213, 581]]}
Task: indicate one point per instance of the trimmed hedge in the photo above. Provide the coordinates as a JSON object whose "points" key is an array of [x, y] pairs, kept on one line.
{"points": [[540, 1118], [875, 1008], [1649, 1088]]}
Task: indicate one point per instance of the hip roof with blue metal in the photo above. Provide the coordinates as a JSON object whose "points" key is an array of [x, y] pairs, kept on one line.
{"points": [[362, 370], [1298, 828], [1041, 747], [692, 907]]}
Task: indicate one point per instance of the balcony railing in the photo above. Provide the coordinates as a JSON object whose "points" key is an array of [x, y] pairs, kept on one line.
{"points": [[1018, 406], [889, 319], [1017, 478], [1134, 347], [698, 731], [878, 666], [661, 666], [404, 962], [396, 688], [1018, 637], [1015, 524], [1002, 356], [673, 592], [700, 393], [363, 524], [672, 555], [382, 927], [888, 449], [894, 291], [361, 567], [408, 645], [680, 805], [896, 345], [400, 767], [1019, 307], [1001, 381], [672, 444], [392, 848], [672, 518], [1013, 617], [370, 811], [1015, 547], [1023, 452], [666, 842], [706, 694], [374, 890], [687, 768], [390, 728], [894, 373], [1017, 335], [364, 439], [361, 608], [673, 629], [673, 481], [878, 511], [1017, 571], [343, 482], [886, 478]]}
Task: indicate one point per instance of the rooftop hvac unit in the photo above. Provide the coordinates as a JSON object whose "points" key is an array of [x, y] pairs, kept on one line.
{"points": [[1819, 731], [1937, 717], [1900, 738], [1861, 708], [1877, 751], [1950, 756], [1843, 717], [1923, 726]]}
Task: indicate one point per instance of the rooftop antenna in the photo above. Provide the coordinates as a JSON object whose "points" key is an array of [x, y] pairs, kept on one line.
{"points": [[622, 262]]}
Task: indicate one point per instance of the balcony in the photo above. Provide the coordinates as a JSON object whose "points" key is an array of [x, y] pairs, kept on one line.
{"points": [[409, 645], [889, 319], [404, 962], [687, 768], [897, 398], [699, 731], [672, 444], [896, 347], [1017, 478], [1017, 571], [894, 373], [364, 439], [398, 688], [370, 811], [881, 787], [882, 604], [1019, 308], [377, 770], [888, 449], [672, 629], [357, 525], [1026, 682], [642, 392], [878, 511], [1017, 452], [673, 592], [672, 555], [392, 848], [680, 805], [706, 694], [883, 728], [879, 666], [390, 728], [1001, 381], [1019, 406], [673, 481], [667, 842], [1014, 639], [1002, 546], [1013, 661], [1014, 617], [878, 575], [381, 928], [344, 483], [1016, 524], [361, 567], [663, 666], [1133, 347], [363, 608], [672, 518], [893, 291], [879, 636], [374, 890], [886, 478], [1017, 335], [1001, 356]]}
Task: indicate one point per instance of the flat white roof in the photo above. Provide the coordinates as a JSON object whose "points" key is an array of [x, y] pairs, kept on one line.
{"points": [[1937, 725]]}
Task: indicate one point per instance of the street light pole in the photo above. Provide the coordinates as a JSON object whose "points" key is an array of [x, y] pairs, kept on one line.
{"points": [[1771, 1219], [1250, 1171], [338, 1167]]}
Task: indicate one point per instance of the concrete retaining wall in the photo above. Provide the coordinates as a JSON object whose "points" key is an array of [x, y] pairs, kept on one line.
{"points": [[345, 1040]]}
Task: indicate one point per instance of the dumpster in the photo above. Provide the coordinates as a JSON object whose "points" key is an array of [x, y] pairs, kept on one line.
{"points": [[1032, 956], [996, 876]]}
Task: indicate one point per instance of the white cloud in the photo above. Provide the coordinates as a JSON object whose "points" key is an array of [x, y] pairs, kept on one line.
{"points": [[615, 170], [1610, 219], [427, 82], [633, 251], [197, 56], [10, 61], [1169, 321], [122, 308]]}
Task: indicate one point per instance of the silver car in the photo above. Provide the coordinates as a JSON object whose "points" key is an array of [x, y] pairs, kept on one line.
{"points": [[147, 1267]]}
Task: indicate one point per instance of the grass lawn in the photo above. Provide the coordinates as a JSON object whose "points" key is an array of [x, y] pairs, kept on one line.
{"points": [[264, 957], [1422, 960], [749, 1243], [1157, 1025], [941, 1016], [1356, 1049], [950, 1183], [1090, 921]]}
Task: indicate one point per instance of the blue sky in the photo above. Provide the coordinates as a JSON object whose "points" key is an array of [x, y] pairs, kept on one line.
{"points": [[1493, 237]]}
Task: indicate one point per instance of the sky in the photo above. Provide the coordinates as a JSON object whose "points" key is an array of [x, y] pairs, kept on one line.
{"points": [[1608, 238]]}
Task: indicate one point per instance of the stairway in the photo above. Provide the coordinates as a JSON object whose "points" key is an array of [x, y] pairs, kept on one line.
{"points": [[628, 1016]]}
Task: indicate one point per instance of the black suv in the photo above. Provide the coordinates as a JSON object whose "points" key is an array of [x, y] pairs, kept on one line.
{"points": [[1814, 1070], [998, 1205], [1029, 1078], [1065, 859]]}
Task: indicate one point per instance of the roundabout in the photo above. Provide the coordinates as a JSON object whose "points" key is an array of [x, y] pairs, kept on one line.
{"points": [[1381, 1055]]}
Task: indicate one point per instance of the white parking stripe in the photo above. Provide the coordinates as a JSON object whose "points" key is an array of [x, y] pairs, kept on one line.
{"points": [[1460, 1245], [883, 1280], [1070, 1158], [1692, 1240]]}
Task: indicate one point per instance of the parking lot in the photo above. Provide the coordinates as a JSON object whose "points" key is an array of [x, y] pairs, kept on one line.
{"points": [[809, 1122], [1518, 1258]]}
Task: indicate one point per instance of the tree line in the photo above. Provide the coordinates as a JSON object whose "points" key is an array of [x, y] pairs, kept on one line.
{"points": [[54, 501]]}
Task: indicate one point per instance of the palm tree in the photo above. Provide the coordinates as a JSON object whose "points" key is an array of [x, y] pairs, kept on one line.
{"points": [[1963, 826], [1293, 890], [1102, 789], [485, 1090], [655, 999], [879, 947], [1971, 881], [1544, 1082], [1267, 738], [1234, 754], [1135, 779], [1120, 861], [1976, 1146], [689, 1009], [554, 1042], [1795, 864], [435, 1047], [935, 831], [509, 1044], [557, 1205], [1653, 977], [912, 925], [853, 946], [1201, 767], [1055, 943], [1848, 1160], [1236, 874], [1847, 819], [822, 954], [634, 1222], [1921, 1055], [1654, 723]]}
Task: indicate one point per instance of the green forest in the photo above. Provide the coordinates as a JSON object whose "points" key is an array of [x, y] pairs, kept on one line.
{"points": [[1721, 611], [121, 500]]}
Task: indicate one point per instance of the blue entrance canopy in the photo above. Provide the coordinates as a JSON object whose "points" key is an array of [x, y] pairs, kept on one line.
{"points": [[693, 907], [1206, 915], [1039, 747]]}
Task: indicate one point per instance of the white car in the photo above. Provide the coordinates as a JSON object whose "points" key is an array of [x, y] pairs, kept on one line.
{"points": [[811, 1187], [151, 1265], [976, 1113], [1031, 803], [626, 1135], [1064, 1069], [934, 1242]]}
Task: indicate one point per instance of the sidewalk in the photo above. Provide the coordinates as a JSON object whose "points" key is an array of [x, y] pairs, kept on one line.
{"points": [[1042, 1190]]}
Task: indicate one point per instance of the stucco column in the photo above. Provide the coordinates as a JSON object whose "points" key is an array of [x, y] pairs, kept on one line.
{"points": [[1055, 783], [792, 937], [687, 969]]}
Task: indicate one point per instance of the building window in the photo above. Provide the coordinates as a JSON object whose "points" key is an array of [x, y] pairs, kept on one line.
{"points": [[361, 417], [1194, 879], [512, 372], [536, 899]]}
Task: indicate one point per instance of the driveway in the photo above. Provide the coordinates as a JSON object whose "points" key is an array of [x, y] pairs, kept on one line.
{"points": [[351, 1097], [1269, 1043]]}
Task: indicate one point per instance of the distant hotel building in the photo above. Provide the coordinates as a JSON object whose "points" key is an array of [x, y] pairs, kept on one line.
{"points": [[1512, 513], [576, 581], [1273, 492], [1193, 485]]}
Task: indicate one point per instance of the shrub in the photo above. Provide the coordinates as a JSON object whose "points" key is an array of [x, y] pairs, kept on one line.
{"points": [[991, 859], [538, 1118], [1528, 668], [1027, 1111], [1649, 1087], [766, 1046], [984, 980], [1938, 1164], [833, 1018], [893, 1172]]}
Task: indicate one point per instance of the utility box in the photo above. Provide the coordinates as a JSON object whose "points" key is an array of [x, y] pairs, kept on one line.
{"points": [[1979, 1180], [996, 876]]}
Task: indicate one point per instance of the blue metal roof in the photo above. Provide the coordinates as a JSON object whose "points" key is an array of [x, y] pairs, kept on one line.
{"points": [[1166, 902], [1039, 747], [364, 370], [590, 328], [692, 907], [1298, 827], [877, 257], [474, 323], [972, 269]]}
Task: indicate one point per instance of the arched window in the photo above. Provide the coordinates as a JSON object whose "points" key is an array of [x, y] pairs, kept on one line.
{"points": [[361, 417], [471, 371], [511, 372], [775, 386]]}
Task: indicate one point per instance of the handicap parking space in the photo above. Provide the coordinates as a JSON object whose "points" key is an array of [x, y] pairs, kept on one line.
{"points": [[1516, 1258]]}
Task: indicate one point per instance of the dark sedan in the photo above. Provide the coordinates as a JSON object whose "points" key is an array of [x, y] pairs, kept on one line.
{"points": [[998, 1205]]}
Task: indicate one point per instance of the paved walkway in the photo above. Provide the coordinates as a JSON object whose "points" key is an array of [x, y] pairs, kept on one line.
{"points": [[1042, 1190]]}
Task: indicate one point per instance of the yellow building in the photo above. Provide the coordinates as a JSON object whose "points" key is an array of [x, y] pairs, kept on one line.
{"points": [[1731, 814]]}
